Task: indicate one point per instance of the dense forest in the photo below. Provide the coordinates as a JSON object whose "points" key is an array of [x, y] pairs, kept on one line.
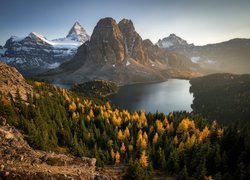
{"points": [[96, 89], [184, 145], [224, 97]]}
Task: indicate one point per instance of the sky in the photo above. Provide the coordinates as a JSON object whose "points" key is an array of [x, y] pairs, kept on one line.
{"points": [[197, 21]]}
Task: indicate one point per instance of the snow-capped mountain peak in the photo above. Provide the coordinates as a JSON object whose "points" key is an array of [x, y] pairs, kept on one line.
{"points": [[35, 53], [38, 37], [34, 34], [78, 33], [171, 41]]}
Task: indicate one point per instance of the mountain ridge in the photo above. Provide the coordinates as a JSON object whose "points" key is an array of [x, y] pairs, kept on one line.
{"points": [[35, 54], [117, 52], [230, 56]]}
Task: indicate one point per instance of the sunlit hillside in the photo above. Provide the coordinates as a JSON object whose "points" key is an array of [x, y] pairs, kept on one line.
{"points": [[181, 144]]}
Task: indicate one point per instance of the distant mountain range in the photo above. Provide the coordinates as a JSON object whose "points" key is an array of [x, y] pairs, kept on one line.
{"points": [[117, 52], [230, 56], [35, 54]]}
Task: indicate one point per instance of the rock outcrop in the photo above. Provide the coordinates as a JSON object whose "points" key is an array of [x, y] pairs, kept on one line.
{"points": [[106, 43], [11, 81], [19, 161], [133, 42], [117, 52]]}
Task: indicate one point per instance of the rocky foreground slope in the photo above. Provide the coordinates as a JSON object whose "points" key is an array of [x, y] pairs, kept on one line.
{"points": [[19, 161], [11, 81]]}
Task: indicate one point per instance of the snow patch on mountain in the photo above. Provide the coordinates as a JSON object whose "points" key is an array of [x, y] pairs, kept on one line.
{"points": [[2, 51], [54, 65], [195, 59], [166, 44], [128, 63], [211, 61], [16, 39]]}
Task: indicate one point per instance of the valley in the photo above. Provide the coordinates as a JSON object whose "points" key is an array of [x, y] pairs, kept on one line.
{"points": [[58, 120], [132, 91]]}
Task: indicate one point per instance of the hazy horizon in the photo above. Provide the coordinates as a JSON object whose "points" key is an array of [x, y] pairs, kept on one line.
{"points": [[198, 22]]}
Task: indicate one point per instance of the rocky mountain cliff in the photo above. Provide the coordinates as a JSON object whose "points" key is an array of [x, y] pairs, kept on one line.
{"points": [[19, 161], [230, 56], [35, 54], [11, 81], [117, 52]]}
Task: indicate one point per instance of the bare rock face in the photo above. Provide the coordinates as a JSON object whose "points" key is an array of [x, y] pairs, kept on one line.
{"points": [[19, 161], [12, 81], [133, 42], [154, 53], [106, 43]]}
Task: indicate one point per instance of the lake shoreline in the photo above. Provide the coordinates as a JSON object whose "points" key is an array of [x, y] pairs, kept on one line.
{"points": [[165, 96], [61, 85]]}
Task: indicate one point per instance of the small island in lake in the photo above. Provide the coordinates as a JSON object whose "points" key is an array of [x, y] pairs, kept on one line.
{"points": [[96, 88]]}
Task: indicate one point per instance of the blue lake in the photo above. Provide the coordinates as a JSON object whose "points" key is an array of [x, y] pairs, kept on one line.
{"points": [[168, 96]]}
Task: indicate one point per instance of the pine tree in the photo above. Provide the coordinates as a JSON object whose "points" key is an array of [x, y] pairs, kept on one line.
{"points": [[183, 174]]}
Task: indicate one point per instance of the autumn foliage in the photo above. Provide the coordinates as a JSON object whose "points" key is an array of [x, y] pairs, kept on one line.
{"points": [[178, 142]]}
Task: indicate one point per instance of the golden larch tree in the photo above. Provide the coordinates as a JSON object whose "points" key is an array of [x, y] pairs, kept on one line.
{"points": [[117, 157], [120, 135], [123, 148], [91, 113], [155, 139], [112, 153], [143, 159], [72, 106], [204, 134], [127, 133], [159, 127]]}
